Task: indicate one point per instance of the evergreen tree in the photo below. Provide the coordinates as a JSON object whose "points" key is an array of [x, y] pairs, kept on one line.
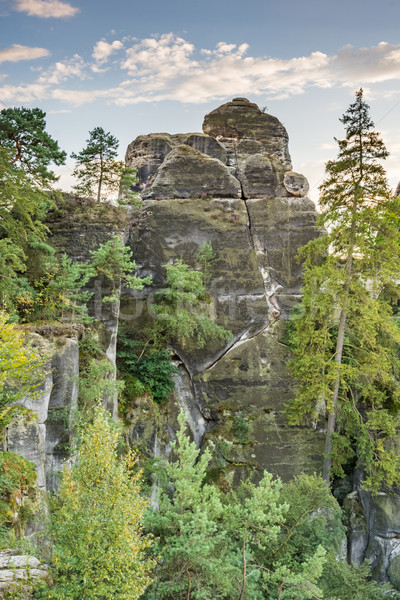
{"points": [[97, 170], [182, 308], [23, 206], [60, 290], [99, 546], [344, 338], [23, 131], [114, 261], [195, 559]]}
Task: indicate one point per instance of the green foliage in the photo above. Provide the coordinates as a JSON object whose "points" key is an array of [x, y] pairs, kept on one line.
{"points": [[206, 257], [23, 206], [97, 382], [59, 292], [240, 428], [182, 312], [181, 316], [127, 181], [114, 261], [21, 369], [265, 540], [341, 581], [344, 339], [23, 131], [17, 493], [150, 372], [195, 558], [99, 546], [97, 171]]}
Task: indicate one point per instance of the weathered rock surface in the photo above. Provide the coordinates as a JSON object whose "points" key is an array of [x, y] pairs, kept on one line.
{"points": [[253, 212], [19, 573], [296, 184], [187, 173], [43, 435], [240, 120]]}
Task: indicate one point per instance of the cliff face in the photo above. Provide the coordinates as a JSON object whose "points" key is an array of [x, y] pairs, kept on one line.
{"points": [[232, 186]]}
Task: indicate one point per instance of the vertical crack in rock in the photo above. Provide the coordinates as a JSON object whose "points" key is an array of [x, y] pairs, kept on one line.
{"points": [[270, 285]]}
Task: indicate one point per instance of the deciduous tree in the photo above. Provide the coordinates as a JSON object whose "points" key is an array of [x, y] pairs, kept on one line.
{"points": [[99, 546]]}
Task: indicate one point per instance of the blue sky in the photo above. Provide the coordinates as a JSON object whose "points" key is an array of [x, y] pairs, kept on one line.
{"points": [[140, 67]]}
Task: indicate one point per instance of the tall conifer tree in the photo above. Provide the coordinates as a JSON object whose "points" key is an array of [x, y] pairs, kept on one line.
{"points": [[344, 337], [97, 170]]}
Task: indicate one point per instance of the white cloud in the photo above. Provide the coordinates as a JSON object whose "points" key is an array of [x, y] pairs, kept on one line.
{"points": [[168, 67], [46, 8], [23, 94], [63, 70], [103, 50], [166, 57], [16, 52]]}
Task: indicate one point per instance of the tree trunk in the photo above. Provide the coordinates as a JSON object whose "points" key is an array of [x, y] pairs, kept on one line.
{"points": [[332, 415], [338, 359], [100, 178]]}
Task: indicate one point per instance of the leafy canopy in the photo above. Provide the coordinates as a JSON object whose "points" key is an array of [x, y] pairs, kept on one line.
{"points": [[99, 546]]}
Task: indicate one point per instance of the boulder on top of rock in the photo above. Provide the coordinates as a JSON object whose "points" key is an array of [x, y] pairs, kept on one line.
{"points": [[187, 173], [296, 184], [240, 119]]}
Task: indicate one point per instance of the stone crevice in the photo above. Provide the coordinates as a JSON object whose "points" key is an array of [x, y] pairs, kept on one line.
{"points": [[244, 337], [270, 285], [186, 394]]}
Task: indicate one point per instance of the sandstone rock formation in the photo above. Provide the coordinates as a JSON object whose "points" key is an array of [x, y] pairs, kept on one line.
{"points": [[232, 186], [19, 573]]}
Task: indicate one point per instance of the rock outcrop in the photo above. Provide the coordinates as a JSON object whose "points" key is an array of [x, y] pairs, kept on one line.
{"points": [[43, 437], [19, 573], [232, 186]]}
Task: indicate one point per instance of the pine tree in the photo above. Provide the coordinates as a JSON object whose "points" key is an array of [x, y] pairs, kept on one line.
{"points": [[182, 308], [23, 131], [97, 170], [195, 559], [344, 337], [115, 262]]}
